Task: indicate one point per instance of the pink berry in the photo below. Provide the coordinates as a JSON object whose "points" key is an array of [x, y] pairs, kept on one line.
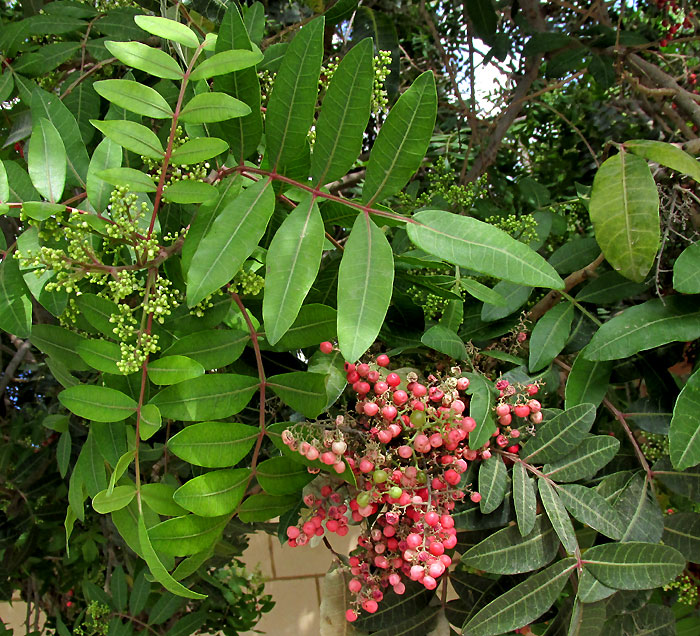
{"points": [[312, 454], [436, 549], [399, 588], [429, 582], [432, 518], [452, 477], [384, 436], [417, 572], [505, 420], [414, 540], [326, 347], [383, 360], [522, 410], [462, 384], [351, 616], [393, 379], [293, 532], [418, 389], [468, 424], [400, 397], [355, 585], [366, 466], [339, 447], [371, 409], [381, 387], [475, 497], [486, 454], [502, 409], [458, 406], [436, 440], [389, 412], [536, 418], [370, 606], [363, 370], [535, 406], [532, 389]]}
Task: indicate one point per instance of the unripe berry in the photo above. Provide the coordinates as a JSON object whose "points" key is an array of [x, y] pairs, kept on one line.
{"points": [[379, 476], [326, 347], [395, 492], [339, 447]]}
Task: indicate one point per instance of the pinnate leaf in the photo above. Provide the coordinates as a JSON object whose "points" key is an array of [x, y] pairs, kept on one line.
{"points": [[556, 511], [587, 382], [304, 392], [185, 535], [493, 483], [132, 136], [686, 270], [590, 508], [524, 499]]}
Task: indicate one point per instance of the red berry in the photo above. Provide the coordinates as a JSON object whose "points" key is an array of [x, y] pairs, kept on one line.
{"points": [[400, 397], [389, 412], [351, 616], [522, 410], [383, 360], [393, 379], [326, 347], [381, 387], [432, 518], [475, 497]]}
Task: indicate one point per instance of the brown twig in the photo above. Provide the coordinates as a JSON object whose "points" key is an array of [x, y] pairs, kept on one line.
{"points": [[12, 365]]}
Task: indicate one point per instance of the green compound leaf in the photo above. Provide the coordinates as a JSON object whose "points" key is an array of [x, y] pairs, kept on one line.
{"points": [[230, 240], [291, 106], [684, 434], [188, 534], [173, 369], [560, 435], [556, 511], [168, 30], [590, 508], [524, 499], [135, 180], [263, 507], [481, 409], [215, 493], [282, 476], [402, 141], [135, 97], [158, 569], [550, 335], [145, 58], [587, 382], [633, 566], [493, 483], [46, 160], [206, 108], [522, 604], [481, 247], [646, 326], [344, 115], [132, 136], [120, 497], [209, 397], [686, 270], [365, 285], [304, 392], [198, 149], [667, 155], [508, 552], [213, 444], [445, 341], [624, 209], [226, 62], [682, 532], [297, 248], [97, 403], [590, 456]]}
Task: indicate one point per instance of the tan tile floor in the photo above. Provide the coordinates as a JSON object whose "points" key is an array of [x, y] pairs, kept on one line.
{"points": [[294, 577]]}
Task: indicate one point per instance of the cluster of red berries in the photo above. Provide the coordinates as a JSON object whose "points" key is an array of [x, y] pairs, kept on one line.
{"points": [[671, 23], [406, 443]]}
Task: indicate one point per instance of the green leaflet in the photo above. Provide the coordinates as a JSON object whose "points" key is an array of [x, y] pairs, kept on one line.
{"points": [[590, 508], [108, 154], [588, 458], [134, 96], [213, 444], [158, 569], [445, 341], [101, 355], [493, 483], [523, 603], [560, 435], [168, 29], [344, 115], [135, 180], [524, 499], [304, 392], [290, 109], [508, 552], [624, 209], [189, 192], [314, 323], [146, 58], [297, 247], [231, 238], [587, 381], [4, 185], [481, 247], [215, 493], [558, 516], [667, 155], [243, 133], [158, 496], [591, 589], [282, 476], [651, 324], [686, 270], [481, 409], [121, 496], [642, 518], [188, 534], [263, 507], [15, 305], [365, 285], [59, 343], [208, 397], [682, 532], [212, 349], [212, 107], [198, 149], [173, 369], [46, 160], [225, 62], [97, 403], [684, 434], [132, 136], [550, 335], [402, 141], [634, 565], [482, 292]]}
